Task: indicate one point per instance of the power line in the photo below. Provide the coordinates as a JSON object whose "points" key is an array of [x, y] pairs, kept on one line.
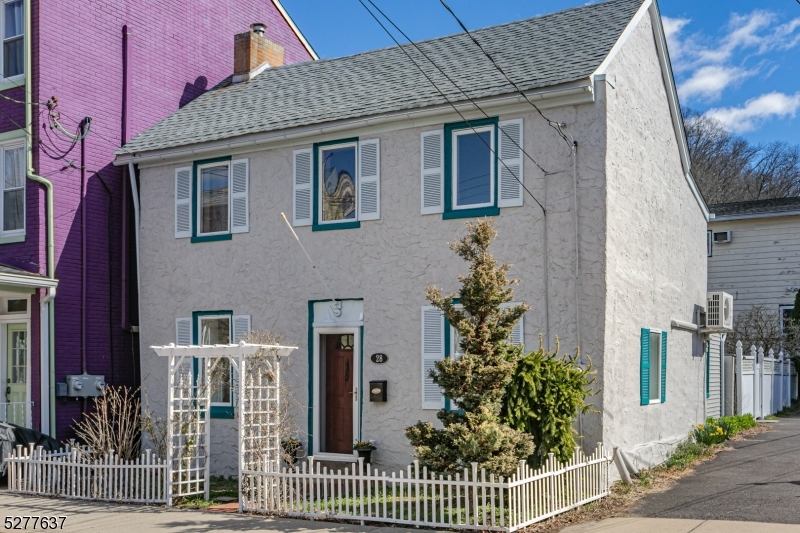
{"points": [[555, 125], [462, 91], [451, 103]]}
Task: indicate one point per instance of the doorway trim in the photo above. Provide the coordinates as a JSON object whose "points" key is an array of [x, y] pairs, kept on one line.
{"points": [[350, 323], [5, 321]]}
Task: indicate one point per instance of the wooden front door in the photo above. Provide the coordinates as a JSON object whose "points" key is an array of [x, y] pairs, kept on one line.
{"points": [[339, 379]]}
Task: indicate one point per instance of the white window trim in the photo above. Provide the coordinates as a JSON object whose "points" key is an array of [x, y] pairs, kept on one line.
{"points": [[199, 214], [200, 320], [320, 183], [318, 332], [454, 167], [21, 76], [652, 401], [11, 145]]}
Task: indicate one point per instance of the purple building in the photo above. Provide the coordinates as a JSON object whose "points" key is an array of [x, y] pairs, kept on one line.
{"points": [[78, 80]]}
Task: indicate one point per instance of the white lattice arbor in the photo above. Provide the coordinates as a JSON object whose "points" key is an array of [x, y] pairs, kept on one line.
{"points": [[256, 386]]}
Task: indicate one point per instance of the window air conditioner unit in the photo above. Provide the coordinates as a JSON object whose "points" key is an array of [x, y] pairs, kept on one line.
{"points": [[722, 236], [719, 311]]}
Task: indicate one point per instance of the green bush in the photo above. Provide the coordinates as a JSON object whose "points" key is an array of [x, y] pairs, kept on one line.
{"points": [[546, 392], [738, 423], [685, 454]]}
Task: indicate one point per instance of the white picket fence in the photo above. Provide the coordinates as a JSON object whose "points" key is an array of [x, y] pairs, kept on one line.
{"points": [[73, 473], [416, 497], [765, 384]]}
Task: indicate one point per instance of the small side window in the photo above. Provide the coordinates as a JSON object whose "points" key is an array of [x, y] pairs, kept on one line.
{"points": [[709, 241]]}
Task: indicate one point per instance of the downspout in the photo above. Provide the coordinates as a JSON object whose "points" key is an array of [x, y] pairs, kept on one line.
{"points": [[83, 252], [126, 101], [47, 327], [135, 196]]}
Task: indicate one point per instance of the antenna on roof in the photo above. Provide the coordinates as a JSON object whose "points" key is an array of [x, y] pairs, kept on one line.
{"points": [[336, 308]]}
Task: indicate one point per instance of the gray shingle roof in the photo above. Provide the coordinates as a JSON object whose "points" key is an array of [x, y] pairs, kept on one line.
{"points": [[539, 52], [756, 207]]}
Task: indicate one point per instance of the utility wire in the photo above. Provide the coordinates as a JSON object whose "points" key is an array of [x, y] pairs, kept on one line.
{"points": [[556, 125], [450, 102], [462, 91]]}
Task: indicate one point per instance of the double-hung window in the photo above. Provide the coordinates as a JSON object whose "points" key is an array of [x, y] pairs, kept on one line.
{"points": [[211, 199], [337, 184], [472, 168], [13, 20], [217, 330], [653, 375], [12, 157], [205, 328]]}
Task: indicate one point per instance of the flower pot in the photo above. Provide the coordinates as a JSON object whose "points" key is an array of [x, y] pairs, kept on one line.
{"points": [[366, 453]]}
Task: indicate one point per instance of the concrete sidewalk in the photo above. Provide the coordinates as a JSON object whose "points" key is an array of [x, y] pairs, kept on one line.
{"points": [[121, 518], [674, 525]]}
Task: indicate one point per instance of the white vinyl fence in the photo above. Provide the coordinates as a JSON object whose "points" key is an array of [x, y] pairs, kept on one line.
{"points": [[73, 473], [765, 384], [472, 500]]}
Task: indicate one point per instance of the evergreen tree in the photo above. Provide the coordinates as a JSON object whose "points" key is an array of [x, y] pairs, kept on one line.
{"points": [[476, 382]]}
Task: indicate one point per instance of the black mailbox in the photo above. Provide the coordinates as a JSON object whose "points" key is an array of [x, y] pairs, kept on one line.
{"points": [[377, 391]]}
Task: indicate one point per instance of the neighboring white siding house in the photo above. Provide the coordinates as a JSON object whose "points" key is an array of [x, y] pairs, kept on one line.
{"points": [[364, 146], [756, 256]]}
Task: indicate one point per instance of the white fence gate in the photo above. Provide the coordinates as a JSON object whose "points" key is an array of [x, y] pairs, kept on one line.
{"points": [[73, 473], [765, 384], [472, 500]]}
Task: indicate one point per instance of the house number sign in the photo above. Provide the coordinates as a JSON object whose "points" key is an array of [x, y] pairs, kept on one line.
{"points": [[379, 358]]}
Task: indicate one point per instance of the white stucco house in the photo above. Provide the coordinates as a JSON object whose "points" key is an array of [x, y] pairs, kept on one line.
{"points": [[377, 172]]}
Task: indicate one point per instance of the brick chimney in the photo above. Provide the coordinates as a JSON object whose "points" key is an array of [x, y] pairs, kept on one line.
{"points": [[252, 53]]}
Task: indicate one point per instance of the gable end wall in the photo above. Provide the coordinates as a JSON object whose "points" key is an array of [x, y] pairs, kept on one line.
{"points": [[656, 268]]}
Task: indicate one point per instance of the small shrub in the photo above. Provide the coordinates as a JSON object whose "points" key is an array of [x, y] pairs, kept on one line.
{"points": [[685, 454], [735, 424], [113, 425], [709, 433]]}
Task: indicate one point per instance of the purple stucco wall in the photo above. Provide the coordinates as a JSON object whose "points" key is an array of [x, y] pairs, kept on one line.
{"points": [[178, 50]]}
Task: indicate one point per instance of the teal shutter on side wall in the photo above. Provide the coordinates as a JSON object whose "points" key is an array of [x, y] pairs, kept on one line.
{"points": [[663, 366], [644, 384]]}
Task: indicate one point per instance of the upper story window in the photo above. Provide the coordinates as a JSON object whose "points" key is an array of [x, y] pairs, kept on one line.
{"points": [[337, 184], [214, 189], [13, 19], [337, 187], [212, 199], [472, 169], [13, 204]]}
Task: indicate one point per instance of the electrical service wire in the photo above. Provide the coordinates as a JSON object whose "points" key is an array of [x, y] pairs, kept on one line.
{"points": [[555, 125], [462, 91], [544, 211]]}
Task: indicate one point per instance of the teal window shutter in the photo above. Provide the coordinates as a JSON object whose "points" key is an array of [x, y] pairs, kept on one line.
{"points": [[663, 366], [645, 373]]}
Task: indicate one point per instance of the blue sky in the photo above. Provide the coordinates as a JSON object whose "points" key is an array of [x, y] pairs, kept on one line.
{"points": [[737, 60]]}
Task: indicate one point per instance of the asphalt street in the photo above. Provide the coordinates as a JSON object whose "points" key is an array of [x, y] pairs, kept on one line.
{"points": [[758, 481]]}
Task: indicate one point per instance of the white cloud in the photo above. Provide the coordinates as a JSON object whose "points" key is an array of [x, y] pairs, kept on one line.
{"points": [[672, 30], [749, 116], [707, 65], [709, 81]]}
